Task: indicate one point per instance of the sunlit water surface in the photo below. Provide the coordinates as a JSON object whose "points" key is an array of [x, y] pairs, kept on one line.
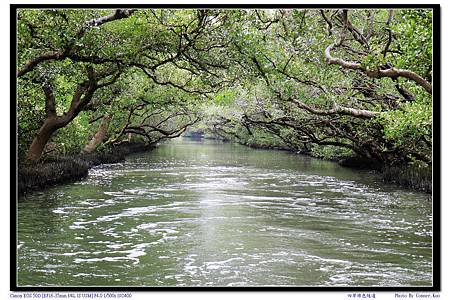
{"points": [[211, 214]]}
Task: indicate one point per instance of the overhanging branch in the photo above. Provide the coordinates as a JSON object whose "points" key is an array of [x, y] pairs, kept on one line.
{"points": [[336, 110], [391, 72], [64, 53]]}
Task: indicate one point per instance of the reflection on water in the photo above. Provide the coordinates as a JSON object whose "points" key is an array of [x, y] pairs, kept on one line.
{"points": [[194, 213]]}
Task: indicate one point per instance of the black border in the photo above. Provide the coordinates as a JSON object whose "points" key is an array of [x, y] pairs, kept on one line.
{"points": [[436, 287]]}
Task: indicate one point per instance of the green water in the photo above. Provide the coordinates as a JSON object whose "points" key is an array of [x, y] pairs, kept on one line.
{"points": [[211, 214]]}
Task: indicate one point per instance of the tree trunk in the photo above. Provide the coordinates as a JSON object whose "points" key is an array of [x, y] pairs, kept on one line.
{"points": [[82, 96], [44, 134], [99, 136]]}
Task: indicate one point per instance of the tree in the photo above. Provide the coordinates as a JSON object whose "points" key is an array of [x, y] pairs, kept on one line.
{"points": [[80, 99], [346, 93], [179, 52], [353, 81]]}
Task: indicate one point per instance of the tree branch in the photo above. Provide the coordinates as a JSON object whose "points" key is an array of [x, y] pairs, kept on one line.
{"points": [[337, 110], [391, 72], [32, 63], [50, 105], [117, 15], [64, 53], [330, 25]]}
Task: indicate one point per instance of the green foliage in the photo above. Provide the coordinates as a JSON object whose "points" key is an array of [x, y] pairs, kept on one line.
{"points": [[410, 129], [30, 114], [414, 40], [373, 61], [259, 139], [72, 138], [413, 122], [225, 97], [330, 152], [257, 76]]}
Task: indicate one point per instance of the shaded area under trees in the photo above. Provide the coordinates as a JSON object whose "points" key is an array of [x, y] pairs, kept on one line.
{"points": [[332, 83]]}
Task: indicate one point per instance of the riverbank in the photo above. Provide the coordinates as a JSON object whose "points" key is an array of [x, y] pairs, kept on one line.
{"points": [[413, 177], [408, 176], [206, 201], [53, 170]]}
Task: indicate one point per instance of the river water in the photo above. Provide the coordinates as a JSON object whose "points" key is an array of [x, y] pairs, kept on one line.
{"points": [[201, 213]]}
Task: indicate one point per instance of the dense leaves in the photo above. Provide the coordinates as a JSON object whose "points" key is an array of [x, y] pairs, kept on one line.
{"points": [[331, 83]]}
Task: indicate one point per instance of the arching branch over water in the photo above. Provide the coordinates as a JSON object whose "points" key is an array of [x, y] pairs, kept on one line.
{"points": [[258, 77]]}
